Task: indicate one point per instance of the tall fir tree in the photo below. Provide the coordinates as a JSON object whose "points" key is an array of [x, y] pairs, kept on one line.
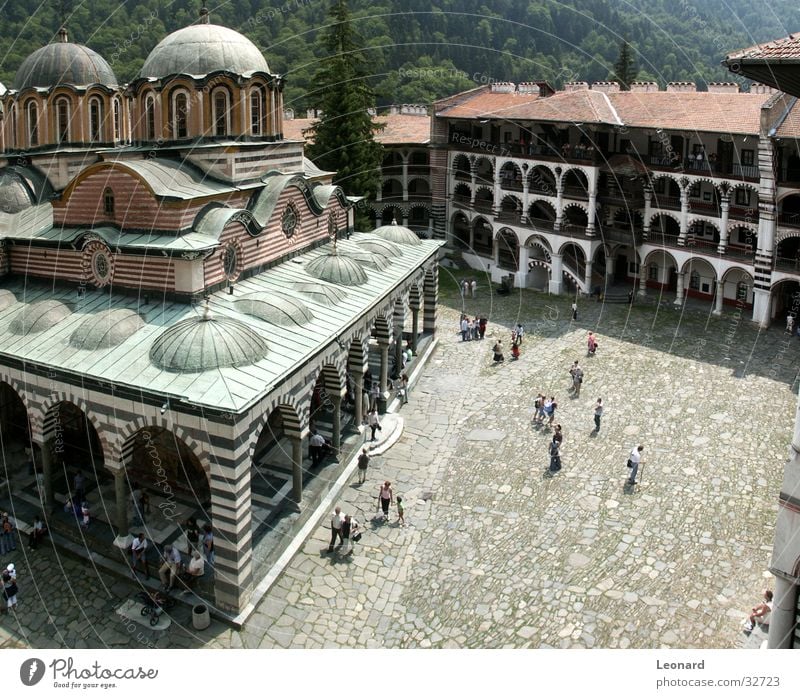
{"points": [[344, 137], [624, 69]]}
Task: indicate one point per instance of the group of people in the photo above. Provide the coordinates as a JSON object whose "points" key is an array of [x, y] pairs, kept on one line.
{"points": [[344, 528], [472, 329], [468, 287]]}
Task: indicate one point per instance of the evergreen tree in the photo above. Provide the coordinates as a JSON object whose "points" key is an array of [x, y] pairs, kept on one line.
{"points": [[344, 137], [624, 69]]}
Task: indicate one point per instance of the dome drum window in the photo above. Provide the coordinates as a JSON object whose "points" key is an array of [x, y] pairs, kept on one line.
{"points": [[108, 202], [150, 118], [95, 120], [117, 121], [180, 115], [221, 113], [33, 123], [62, 120], [256, 97]]}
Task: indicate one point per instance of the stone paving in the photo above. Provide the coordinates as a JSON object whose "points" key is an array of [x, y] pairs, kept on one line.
{"points": [[495, 552]]}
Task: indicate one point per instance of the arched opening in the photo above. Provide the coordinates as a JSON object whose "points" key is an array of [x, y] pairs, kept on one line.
{"points": [[462, 194], [628, 220], [737, 288], [180, 115], [32, 113], [392, 190], [511, 177], [108, 202], [95, 120], [482, 239], [484, 172], [62, 120], [661, 271], [576, 185], [160, 462], [18, 449], [789, 211], [392, 164], [507, 250], [742, 240], [418, 219], [700, 278], [542, 214], [391, 213], [575, 220], [573, 260], [418, 188], [484, 199], [461, 168], [510, 209], [542, 181], [666, 193], [117, 120], [256, 99], [221, 104], [664, 229], [787, 255], [150, 118], [703, 235], [418, 162], [460, 231], [785, 297], [626, 264]]}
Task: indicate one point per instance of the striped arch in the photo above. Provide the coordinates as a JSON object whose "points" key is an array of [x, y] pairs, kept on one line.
{"points": [[415, 297], [703, 219], [49, 421], [719, 186], [424, 181], [127, 436], [753, 228], [741, 272], [667, 214], [582, 207], [461, 163], [357, 354], [332, 379], [661, 257], [667, 175], [741, 185], [781, 234], [573, 244], [537, 243], [694, 263], [421, 205], [383, 329], [574, 168], [293, 426], [13, 383], [483, 158]]}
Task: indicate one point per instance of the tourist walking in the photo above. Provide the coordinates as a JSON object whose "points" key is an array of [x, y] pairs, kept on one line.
{"points": [[520, 332], [168, 572], [538, 409], [374, 423], [8, 541], [192, 531], [634, 461], [591, 345], [316, 446], [404, 388], [336, 528], [400, 511], [598, 413], [386, 497], [550, 406], [363, 464], [470, 329], [37, 533], [208, 544], [349, 534], [555, 456], [558, 435], [497, 350], [515, 351], [476, 328], [374, 395], [139, 555], [574, 310], [577, 378], [482, 326]]}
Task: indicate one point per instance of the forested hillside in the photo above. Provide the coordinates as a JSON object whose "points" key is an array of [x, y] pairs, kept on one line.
{"points": [[421, 50]]}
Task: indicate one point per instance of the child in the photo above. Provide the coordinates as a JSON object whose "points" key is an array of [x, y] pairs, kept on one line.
{"points": [[400, 511], [515, 351]]}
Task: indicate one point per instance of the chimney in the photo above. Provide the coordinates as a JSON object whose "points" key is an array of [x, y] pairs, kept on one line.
{"points": [[288, 113], [643, 86], [681, 87], [575, 86], [759, 88], [310, 114], [726, 88], [504, 87], [528, 88], [605, 86]]}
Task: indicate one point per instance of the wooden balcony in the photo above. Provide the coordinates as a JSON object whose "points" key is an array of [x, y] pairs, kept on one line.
{"points": [[671, 203], [789, 264], [791, 220]]}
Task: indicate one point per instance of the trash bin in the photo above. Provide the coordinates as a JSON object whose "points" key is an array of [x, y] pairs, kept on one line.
{"points": [[200, 617]]}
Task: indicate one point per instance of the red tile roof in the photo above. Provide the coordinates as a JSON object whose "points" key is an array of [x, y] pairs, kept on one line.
{"points": [[691, 111], [786, 48], [399, 128], [790, 127]]}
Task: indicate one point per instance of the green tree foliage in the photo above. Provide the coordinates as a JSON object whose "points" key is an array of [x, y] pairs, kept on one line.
{"points": [[624, 69], [343, 137]]}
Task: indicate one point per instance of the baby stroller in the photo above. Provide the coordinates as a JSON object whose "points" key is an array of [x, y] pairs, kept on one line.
{"points": [[154, 604]]}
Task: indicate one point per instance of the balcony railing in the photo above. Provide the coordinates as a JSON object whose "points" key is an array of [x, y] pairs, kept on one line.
{"points": [[666, 239], [623, 198], [706, 208], [743, 213], [510, 185], [574, 228], [483, 205], [419, 169], [791, 264], [790, 219], [462, 176], [746, 171], [509, 217], [576, 193], [541, 223], [542, 189], [669, 202]]}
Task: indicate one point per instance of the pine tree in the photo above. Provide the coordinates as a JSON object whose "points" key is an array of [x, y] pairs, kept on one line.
{"points": [[344, 136], [624, 69]]}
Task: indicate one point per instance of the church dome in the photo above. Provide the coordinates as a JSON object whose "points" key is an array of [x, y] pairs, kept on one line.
{"points": [[14, 193], [321, 293], [380, 246], [205, 343], [63, 63], [337, 269], [277, 308], [201, 49], [38, 317], [372, 260], [7, 299], [397, 233], [106, 329]]}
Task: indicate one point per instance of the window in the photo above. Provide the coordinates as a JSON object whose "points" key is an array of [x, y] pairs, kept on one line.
{"points": [[117, 122], [180, 117], [150, 118], [742, 197], [62, 120], [652, 272], [255, 112], [748, 158], [108, 202], [694, 190], [95, 120], [33, 123], [220, 113], [660, 185], [694, 281]]}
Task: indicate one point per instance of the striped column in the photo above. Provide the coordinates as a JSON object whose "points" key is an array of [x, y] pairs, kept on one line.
{"points": [[399, 323], [438, 159], [430, 292], [356, 365], [415, 303]]}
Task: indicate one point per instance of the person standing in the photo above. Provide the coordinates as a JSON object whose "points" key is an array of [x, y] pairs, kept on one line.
{"points": [[363, 464], [404, 388], [538, 409], [79, 486], [168, 572], [550, 409], [464, 328], [470, 330], [349, 529], [316, 445], [515, 351], [10, 589], [574, 310], [85, 515], [790, 323], [577, 378], [374, 395], [374, 423], [634, 461], [497, 349], [555, 456], [336, 528], [473, 287], [192, 535], [482, 326], [591, 344], [37, 533], [400, 511], [386, 498], [7, 540], [558, 435], [208, 544], [520, 332], [598, 413], [139, 555]]}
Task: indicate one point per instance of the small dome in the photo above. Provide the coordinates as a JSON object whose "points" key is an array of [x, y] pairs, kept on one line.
{"points": [[379, 245], [373, 260], [201, 49], [38, 317], [277, 308], [106, 329], [397, 233], [322, 294], [7, 299], [14, 193], [202, 344], [337, 269], [64, 63]]}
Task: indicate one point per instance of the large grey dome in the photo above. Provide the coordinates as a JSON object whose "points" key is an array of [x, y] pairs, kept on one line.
{"points": [[64, 63], [337, 269], [202, 49], [106, 329], [14, 193], [397, 233], [202, 344]]}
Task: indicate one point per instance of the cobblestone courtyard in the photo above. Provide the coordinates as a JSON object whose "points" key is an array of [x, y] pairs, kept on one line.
{"points": [[496, 553]]}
